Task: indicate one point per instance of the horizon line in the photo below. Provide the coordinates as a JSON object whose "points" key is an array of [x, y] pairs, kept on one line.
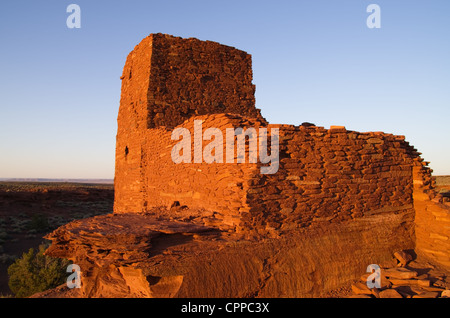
{"points": [[74, 180]]}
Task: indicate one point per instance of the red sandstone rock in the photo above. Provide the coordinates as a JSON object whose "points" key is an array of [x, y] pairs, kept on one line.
{"points": [[384, 282], [361, 289], [390, 293], [120, 252], [399, 273], [426, 295], [418, 282], [403, 257]]}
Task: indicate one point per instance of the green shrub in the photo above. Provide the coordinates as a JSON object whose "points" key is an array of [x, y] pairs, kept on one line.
{"points": [[38, 222], [36, 272]]}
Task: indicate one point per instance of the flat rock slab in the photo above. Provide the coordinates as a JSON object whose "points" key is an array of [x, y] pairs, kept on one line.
{"points": [[116, 237], [421, 290], [399, 273], [418, 282], [390, 293], [130, 224], [427, 295], [361, 289], [360, 296]]}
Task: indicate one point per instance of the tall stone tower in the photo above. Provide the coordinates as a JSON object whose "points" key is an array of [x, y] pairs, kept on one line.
{"points": [[165, 81]]}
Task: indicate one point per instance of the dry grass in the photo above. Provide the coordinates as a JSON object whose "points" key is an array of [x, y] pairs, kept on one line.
{"points": [[443, 180]]}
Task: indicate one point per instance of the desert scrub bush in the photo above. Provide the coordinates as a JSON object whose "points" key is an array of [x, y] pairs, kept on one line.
{"points": [[38, 222], [36, 272], [18, 225]]}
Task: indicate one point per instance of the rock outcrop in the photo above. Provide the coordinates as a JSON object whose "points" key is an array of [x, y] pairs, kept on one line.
{"points": [[338, 201], [159, 254]]}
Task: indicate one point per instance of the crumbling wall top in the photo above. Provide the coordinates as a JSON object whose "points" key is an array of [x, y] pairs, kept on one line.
{"points": [[190, 77]]}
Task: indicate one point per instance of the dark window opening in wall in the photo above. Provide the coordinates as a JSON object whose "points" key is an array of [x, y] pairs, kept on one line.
{"points": [[126, 151]]}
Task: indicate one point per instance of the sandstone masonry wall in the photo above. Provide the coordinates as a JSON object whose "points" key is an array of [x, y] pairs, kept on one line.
{"points": [[165, 81], [432, 216], [192, 77], [332, 175], [325, 175], [217, 187], [132, 127]]}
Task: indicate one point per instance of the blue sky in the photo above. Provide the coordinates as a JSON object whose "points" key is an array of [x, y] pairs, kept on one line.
{"points": [[314, 61]]}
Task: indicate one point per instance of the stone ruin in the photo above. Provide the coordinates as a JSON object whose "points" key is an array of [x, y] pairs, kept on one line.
{"points": [[340, 200]]}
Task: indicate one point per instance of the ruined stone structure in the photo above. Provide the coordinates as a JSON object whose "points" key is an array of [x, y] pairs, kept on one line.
{"points": [[165, 81], [340, 200]]}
